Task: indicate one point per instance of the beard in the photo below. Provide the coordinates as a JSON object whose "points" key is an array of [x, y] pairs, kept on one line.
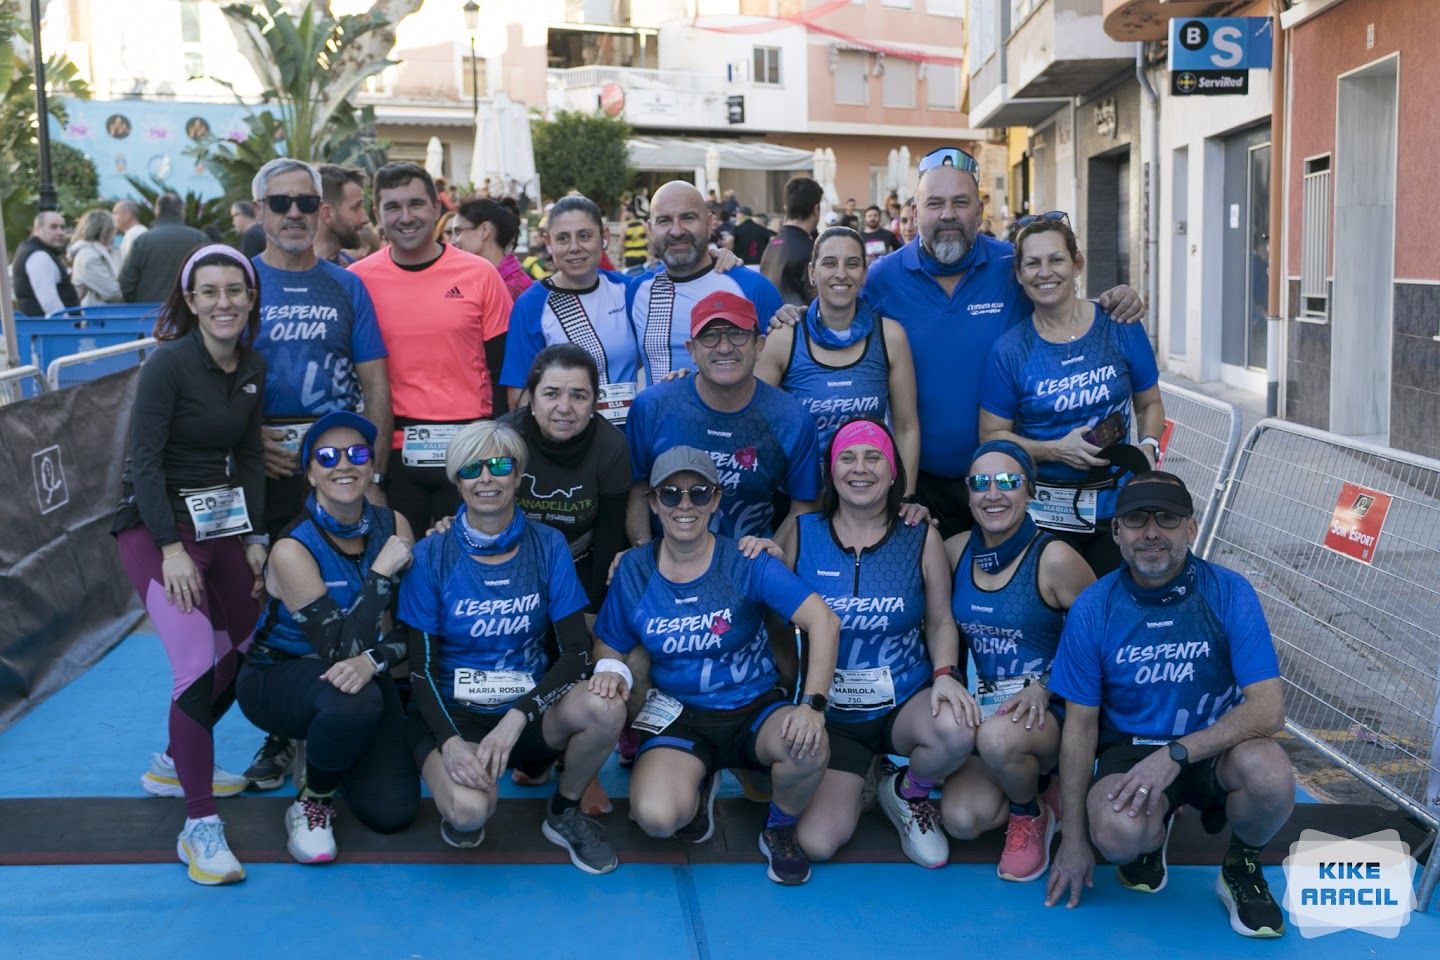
{"points": [[952, 248], [679, 259], [347, 237]]}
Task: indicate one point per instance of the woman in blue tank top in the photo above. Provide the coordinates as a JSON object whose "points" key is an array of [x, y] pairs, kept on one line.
{"points": [[894, 689], [1065, 386], [320, 667], [843, 360], [1013, 585]]}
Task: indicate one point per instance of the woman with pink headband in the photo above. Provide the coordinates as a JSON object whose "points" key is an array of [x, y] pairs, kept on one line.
{"points": [[189, 527], [895, 688]]}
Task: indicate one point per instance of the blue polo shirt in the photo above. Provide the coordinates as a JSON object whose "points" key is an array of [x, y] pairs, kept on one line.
{"points": [[950, 339]]}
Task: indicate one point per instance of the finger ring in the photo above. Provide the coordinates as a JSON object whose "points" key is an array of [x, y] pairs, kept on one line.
{"points": [[1144, 791]]}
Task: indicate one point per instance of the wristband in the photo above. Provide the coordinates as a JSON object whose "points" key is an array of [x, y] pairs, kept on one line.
{"points": [[377, 660], [1152, 441], [611, 665], [942, 672]]}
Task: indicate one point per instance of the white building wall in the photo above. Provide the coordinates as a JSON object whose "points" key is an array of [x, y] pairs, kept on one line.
{"points": [[767, 106]]}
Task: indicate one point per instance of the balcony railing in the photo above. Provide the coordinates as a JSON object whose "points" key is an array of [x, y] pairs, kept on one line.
{"points": [[575, 78], [653, 98]]}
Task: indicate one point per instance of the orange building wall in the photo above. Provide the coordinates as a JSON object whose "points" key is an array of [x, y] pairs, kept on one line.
{"points": [[1334, 43]]}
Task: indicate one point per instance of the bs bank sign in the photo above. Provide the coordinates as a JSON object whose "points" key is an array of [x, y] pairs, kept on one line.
{"points": [[1212, 56]]}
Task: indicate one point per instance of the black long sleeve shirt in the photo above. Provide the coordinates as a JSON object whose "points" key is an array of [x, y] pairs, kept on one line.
{"points": [[190, 423]]}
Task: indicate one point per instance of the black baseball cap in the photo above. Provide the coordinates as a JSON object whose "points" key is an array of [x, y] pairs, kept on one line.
{"points": [[1155, 491]]}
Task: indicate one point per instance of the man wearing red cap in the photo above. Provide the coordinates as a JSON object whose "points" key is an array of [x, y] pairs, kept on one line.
{"points": [[761, 439]]}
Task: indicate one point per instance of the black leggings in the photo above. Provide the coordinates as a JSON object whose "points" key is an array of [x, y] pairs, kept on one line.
{"points": [[357, 740], [421, 495]]}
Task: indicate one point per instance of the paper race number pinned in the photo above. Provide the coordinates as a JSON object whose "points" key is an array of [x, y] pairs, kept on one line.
{"points": [[659, 712], [217, 512], [871, 689], [425, 445], [491, 688]]}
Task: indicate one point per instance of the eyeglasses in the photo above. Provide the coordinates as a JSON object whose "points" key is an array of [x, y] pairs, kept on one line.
{"points": [[498, 466], [1137, 519], [279, 203], [234, 292], [670, 495], [454, 231], [980, 482], [948, 157], [329, 457], [710, 336], [1049, 216]]}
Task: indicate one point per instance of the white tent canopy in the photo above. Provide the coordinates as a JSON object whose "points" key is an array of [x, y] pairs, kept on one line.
{"points": [[661, 154]]}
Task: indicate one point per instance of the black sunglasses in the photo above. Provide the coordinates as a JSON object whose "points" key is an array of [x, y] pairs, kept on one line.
{"points": [[279, 203], [1138, 519], [1049, 216], [700, 494], [948, 157], [329, 457]]}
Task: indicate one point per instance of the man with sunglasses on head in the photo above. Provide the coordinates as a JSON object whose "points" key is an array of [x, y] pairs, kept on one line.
{"points": [[760, 438], [323, 353], [1170, 677], [954, 291]]}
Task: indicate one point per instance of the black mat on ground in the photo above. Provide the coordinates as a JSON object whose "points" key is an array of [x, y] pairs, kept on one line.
{"points": [[91, 830]]}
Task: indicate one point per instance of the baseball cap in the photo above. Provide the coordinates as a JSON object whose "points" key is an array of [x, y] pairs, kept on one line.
{"points": [[723, 305], [338, 418], [1150, 492], [683, 460]]}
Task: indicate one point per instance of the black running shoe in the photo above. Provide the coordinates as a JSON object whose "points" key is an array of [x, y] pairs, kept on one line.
{"points": [[272, 761], [702, 827], [788, 863], [1243, 890], [1147, 872]]}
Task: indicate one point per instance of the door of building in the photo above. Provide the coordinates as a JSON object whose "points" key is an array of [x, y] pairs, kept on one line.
{"points": [[1245, 270]]}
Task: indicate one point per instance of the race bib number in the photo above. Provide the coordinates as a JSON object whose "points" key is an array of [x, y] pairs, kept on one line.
{"points": [[862, 689], [1055, 508], [614, 402], [218, 512], [658, 713], [491, 688], [424, 445], [289, 436], [990, 694], [1149, 742]]}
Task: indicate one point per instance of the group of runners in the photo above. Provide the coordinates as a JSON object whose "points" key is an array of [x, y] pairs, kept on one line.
{"points": [[439, 536]]}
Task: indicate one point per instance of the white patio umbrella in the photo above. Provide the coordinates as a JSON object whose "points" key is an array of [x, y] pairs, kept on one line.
{"points": [[831, 168], [487, 160], [712, 169], [435, 157], [520, 154], [906, 183]]}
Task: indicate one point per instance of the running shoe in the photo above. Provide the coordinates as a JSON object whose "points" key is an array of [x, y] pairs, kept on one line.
{"points": [[1050, 796], [628, 745], [595, 801], [161, 780], [788, 864], [1147, 872], [460, 839], [583, 838], [1027, 846], [272, 761], [309, 822], [202, 848], [918, 823], [522, 779], [702, 826], [1253, 911]]}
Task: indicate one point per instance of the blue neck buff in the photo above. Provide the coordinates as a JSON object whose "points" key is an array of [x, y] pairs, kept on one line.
{"points": [[935, 268], [486, 544], [831, 339], [997, 558], [1180, 588], [334, 527]]}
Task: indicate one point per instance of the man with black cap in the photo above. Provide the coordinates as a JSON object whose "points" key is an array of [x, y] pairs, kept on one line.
{"points": [[1169, 676], [760, 438]]}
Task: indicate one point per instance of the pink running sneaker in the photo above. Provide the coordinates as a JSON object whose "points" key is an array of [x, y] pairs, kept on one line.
{"points": [[1027, 846], [1051, 799], [628, 746]]}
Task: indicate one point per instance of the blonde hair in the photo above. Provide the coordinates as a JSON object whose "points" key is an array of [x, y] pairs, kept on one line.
{"points": [[484, 438]]}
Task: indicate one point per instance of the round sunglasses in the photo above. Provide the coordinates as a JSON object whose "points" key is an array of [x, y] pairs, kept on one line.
{"points": [[329, 457]]}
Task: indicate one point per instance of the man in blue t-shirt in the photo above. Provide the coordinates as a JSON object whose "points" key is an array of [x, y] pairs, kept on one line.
{"points": [[1169, 675], [661, 303], [760, 438], [322, 347]]}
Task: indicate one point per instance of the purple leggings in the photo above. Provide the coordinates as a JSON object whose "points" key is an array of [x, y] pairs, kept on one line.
{"points": [[204, 646]]}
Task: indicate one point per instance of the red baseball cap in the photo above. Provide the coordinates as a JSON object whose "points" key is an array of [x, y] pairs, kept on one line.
{"points": [[722, 305]]}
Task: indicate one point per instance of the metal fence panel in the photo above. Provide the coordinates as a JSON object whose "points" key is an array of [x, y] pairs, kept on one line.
{"points": [[21, 383], [1359, 643], [1204, 436]]}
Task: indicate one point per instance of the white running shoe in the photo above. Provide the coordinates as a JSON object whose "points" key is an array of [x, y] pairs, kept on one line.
{"points": [[918, 823], [202, 847], [161, 780], [310, 824]]}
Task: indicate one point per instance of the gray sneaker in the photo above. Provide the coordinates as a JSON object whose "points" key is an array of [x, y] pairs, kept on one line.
{"points": [[460, 839], [583, 838]]}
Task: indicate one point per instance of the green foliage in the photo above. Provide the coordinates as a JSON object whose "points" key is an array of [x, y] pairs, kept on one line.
{"points": [[77, 182], [584, 152]]}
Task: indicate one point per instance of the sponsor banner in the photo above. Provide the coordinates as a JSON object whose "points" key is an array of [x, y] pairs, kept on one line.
{"points": [[1356, 522]]}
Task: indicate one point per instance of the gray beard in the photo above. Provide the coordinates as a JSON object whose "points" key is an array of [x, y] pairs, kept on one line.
{"points": [[948, 252]]}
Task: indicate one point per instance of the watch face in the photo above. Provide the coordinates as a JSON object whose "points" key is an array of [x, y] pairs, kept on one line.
{"points": [[1178, 753]]}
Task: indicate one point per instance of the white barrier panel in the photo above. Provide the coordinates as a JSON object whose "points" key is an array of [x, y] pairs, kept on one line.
{"points": [[13, 384]]}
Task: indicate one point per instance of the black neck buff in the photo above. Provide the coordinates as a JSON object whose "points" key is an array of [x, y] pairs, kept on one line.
{"points": [[564, 453], [997, 558], [1181, 587]]}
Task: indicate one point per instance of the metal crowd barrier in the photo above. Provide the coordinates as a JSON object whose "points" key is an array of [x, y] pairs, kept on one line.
{"points": [[62, 371], [1353, 603], [13, 384], [1204, 437], [82, 329]]}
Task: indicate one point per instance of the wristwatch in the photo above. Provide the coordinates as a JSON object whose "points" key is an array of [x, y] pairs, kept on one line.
{"points": [[815, 701], [910, 498], [377, 661], [1179, 754], [942, 672]]}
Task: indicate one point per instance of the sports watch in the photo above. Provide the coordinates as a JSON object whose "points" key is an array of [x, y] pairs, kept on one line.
{"points": [[1179, 754], [815, 701]]}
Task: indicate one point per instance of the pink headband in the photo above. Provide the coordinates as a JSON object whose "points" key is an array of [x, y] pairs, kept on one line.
{"points": [[209, 250], [862, 431]]}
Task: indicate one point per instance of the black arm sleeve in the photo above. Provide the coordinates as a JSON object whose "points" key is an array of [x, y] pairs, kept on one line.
{"points": [[423, 690], [610, 539], [339, 634], [571, 667], [155, 397], [494, 361]]}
